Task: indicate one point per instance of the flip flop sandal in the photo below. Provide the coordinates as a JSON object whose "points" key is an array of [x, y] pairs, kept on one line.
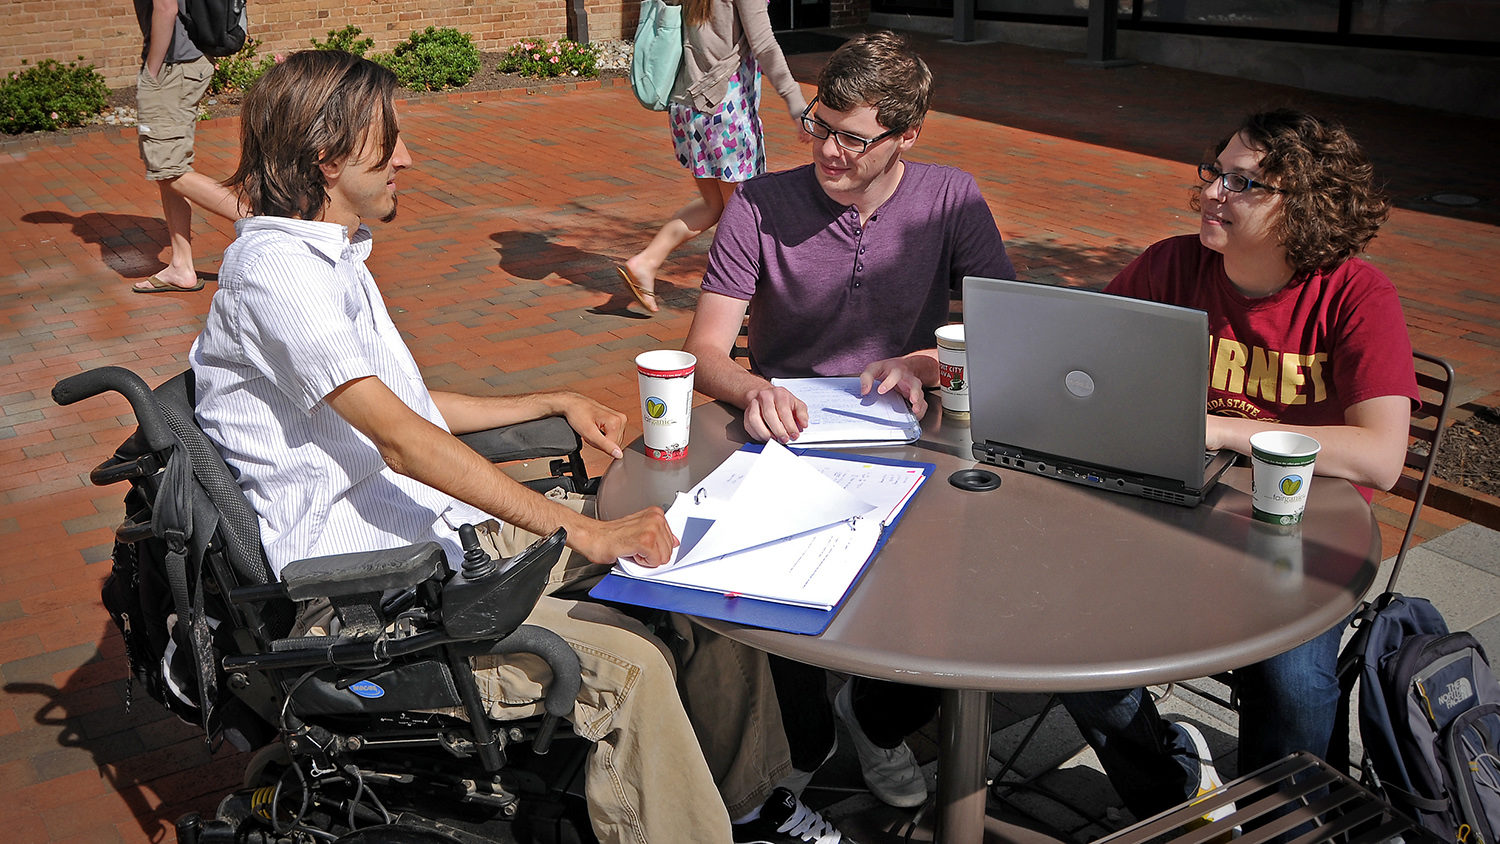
{"points": [[640, 293], [159, 286]]}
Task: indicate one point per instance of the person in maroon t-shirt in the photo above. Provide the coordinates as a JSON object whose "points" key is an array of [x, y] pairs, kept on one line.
{"points": [[1304, 337]]}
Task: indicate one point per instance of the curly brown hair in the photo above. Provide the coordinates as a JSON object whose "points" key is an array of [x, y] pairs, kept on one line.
{"points": [[878, 69], [1331, 207]]}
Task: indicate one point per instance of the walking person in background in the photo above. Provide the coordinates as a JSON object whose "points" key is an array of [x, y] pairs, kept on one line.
{"points": [[715, 116], [174, 77]]}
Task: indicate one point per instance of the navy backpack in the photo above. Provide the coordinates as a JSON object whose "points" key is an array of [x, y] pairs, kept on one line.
{"points": [[1429, 717]]}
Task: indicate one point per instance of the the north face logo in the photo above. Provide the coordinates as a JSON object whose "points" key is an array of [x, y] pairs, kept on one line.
{"points": [[1458, 691]]}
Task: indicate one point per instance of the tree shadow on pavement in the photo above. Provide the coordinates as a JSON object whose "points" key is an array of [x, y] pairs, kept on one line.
{"points": [[1175, 114], [1049, 261]]}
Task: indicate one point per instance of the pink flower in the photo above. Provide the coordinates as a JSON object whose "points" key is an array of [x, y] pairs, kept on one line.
{"points": [[554, 59]]}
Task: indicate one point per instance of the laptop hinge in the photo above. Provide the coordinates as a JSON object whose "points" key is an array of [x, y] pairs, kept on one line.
{"points": [[1146, 486]]}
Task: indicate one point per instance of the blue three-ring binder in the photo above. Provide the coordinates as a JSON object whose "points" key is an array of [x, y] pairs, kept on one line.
{"points": [[755, 612]]}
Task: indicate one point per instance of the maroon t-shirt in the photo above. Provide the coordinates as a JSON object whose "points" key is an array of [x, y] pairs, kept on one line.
{"points": [[829, 296], [1301, 355]]}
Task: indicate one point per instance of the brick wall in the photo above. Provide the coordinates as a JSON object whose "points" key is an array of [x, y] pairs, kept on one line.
{"points": [[106, 35], [849, 12]]}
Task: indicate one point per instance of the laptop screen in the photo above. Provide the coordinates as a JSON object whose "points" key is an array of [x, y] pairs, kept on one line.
{"points": [[1088, 378]]}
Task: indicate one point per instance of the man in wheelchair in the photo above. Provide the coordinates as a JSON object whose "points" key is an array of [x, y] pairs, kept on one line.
{"points": [[314, 401]]}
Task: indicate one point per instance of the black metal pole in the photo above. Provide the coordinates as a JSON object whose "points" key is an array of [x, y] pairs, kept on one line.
{"points": [[963, 20], [580, 21], [1103, 19]]}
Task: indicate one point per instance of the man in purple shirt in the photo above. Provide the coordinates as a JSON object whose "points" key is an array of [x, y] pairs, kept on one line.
{"points": [[849, 263]]}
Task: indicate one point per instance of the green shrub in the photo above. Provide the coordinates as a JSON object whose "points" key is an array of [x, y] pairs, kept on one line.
{"points": [[560, 58], [433, 59], [346, 39], [49, 96], [239, 71]]}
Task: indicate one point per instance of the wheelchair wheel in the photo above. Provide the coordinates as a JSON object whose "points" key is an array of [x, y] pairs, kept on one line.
{"points": [[266, 765]]}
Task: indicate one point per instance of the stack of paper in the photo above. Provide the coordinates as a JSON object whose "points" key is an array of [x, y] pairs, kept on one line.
{"points": [[781, 527], [838, 416]]}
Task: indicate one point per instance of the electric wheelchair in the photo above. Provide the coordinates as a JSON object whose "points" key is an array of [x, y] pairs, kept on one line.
{"points": [[349, 746]]}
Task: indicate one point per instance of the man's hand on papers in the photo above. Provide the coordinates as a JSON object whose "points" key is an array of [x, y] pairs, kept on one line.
{"points": [[774, 413], [642, 537], [907, 375]]}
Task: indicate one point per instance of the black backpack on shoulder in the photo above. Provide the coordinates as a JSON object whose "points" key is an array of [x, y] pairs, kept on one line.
{"points": [[217, 27]]}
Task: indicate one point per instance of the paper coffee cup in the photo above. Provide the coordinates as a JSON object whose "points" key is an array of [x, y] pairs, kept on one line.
{"points": [[1282, 469], [953, 379], [666, 380]]}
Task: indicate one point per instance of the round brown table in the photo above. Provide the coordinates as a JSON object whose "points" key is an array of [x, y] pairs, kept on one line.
{"points": [[1044, 586]]}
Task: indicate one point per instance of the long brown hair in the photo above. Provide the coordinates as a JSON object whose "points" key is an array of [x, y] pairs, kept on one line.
{"points": [[315, 106], [695, 12]]}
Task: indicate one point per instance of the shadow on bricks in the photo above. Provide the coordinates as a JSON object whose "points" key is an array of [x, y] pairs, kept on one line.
{"points": [[128, 243], [1052, 261], [534, 255], [141, 755]]}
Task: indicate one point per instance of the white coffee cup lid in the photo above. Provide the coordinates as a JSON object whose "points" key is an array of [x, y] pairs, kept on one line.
{"points": [[951, 336]]}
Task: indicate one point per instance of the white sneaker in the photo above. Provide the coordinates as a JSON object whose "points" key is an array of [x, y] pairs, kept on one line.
{"points": [[1208, 780], [796, 782], [891, 774]]}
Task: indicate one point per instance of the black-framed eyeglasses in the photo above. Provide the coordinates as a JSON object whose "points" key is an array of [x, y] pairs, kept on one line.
{"points": [[1232, 182], [846, 140]]}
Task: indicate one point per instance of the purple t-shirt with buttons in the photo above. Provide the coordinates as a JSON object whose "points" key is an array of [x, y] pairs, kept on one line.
{"points": [[829, 296]]}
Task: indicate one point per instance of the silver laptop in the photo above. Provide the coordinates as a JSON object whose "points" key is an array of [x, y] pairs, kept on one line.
{"points": [[1096, 389]]}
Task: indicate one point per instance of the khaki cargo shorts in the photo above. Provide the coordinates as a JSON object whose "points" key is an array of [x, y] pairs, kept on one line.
{"points": [[167, 113]]}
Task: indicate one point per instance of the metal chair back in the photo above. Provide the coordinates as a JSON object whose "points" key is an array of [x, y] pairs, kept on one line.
{"points": [[1435, 386]]}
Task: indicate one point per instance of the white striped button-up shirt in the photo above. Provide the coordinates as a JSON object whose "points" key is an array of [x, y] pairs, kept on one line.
{"points": [[297, 315]]}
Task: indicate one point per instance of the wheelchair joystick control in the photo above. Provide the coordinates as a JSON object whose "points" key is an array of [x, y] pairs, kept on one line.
{"points": [[477, 563]]}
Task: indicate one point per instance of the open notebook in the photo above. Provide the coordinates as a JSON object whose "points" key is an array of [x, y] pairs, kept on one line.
{"points": [[773, 538], [839, 417]]}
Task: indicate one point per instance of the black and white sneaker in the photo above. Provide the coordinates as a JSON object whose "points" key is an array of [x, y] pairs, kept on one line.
{"points": [[1208, 780], [784, 819]]}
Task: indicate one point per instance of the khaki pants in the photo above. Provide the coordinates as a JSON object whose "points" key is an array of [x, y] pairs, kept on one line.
{"points": [[673, 749]]}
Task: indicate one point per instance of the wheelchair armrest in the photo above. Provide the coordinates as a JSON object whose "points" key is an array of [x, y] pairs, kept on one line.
{"points": [[549, 436], [364, 572], [494, 604]]}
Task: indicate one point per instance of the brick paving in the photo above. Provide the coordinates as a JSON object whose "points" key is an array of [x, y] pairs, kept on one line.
{"points": [[500, 273]]}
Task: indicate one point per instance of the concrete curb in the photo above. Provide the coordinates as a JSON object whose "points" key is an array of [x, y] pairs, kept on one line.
{"points": [[1465, 503]]}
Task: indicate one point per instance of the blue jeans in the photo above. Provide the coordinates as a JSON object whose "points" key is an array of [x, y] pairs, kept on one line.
{"points": [[1287, 703]]}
